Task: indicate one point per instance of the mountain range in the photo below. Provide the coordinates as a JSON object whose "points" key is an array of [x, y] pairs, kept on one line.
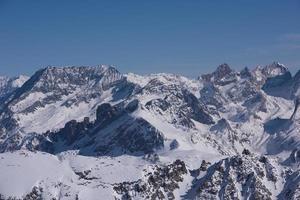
{"points": [[95, 133]]}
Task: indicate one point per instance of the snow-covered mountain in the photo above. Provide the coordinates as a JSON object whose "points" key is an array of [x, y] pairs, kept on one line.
{"points": [[94, 133], [9, 85]]}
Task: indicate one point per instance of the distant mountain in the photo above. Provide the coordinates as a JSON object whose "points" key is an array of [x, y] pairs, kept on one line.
{"points": [[92, 132], [9, 85]]}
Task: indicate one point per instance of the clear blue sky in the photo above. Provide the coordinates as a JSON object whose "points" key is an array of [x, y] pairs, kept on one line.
{"points": [[143, 36]]}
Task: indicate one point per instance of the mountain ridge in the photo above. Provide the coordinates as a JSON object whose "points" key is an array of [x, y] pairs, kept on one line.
{"points": [[184, 138]]}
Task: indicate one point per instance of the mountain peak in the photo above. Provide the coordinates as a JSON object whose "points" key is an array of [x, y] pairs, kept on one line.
{"points": [[274, 69], [78, 74], [97, 69], [221, 76], [244, 73], [223, 68], [262, 73]]}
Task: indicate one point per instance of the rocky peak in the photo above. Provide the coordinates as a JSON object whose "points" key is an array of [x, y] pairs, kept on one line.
{"points": [[261, 74], [222, 76], [245, 73], [222, 71], [274, 69], [53, 78], [276, 80], [56, 82]]}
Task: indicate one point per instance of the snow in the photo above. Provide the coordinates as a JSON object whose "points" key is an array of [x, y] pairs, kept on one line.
{"points": [[54, 116], [9, 85], [23, 170], [3, 81], [192, 85], [19, 81], [56, 174]]}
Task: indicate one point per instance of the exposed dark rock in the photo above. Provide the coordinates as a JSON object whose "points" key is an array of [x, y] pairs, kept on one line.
{"points": [[159, 184], [246, 152], [105, 113], [197, 111], [139, 136], [174, 144], [35, 194], [85, 175], [160, 103], [263, 159], [204, 165], [245, 73], [132, 106], [73, 131]]}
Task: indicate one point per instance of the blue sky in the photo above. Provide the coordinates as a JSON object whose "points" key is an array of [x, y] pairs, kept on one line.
{"points": [[142, 36]]}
